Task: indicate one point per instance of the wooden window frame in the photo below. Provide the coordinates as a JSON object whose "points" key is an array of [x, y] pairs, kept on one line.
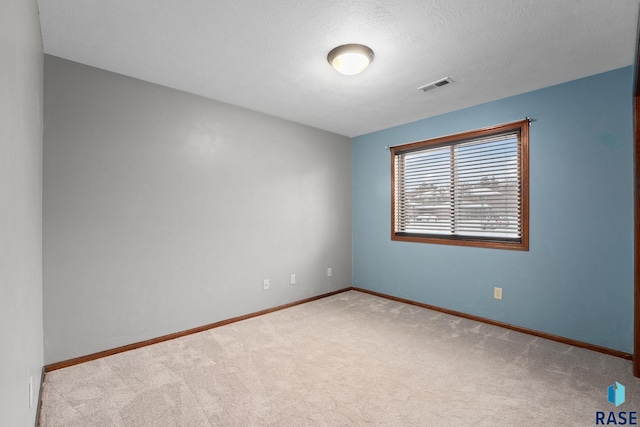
{"points": [[523, 245]]}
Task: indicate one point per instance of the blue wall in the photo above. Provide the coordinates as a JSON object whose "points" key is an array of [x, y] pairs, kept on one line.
{"points": [[576, 280]]}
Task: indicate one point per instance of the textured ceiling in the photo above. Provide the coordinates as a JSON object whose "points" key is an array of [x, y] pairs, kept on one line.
{"points": [[270, 56]]}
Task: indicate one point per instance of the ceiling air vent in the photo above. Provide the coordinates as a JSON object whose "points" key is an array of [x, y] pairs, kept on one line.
{"points": [[436, 84]]}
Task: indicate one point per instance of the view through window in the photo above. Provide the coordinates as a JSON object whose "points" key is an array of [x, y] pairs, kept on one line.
{"points": [[466, 189]]}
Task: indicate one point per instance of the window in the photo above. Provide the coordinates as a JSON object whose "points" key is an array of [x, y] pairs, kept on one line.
{"points": [[468, 189]]}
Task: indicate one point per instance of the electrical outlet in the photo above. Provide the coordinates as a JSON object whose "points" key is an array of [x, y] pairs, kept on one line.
{"points": [[292, 281], [497, 293], [329, 272], [265, 285]]}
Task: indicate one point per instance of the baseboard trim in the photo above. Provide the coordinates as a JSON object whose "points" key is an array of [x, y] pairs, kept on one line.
{"points": [[110, 352], [39, 410], [533, 332]]}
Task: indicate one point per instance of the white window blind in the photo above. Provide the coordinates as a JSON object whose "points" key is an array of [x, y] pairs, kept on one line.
{"points": [[464, 189]]}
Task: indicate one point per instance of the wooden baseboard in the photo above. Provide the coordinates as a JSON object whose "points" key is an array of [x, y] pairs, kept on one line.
{"points": [[533, 332], [105, 353], [39, 410]]}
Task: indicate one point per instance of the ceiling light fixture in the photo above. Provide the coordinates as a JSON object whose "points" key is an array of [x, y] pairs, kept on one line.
{"points": [[350, 59]]}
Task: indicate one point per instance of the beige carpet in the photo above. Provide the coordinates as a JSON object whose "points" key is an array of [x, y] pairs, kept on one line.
{"points": [[347, 360]]}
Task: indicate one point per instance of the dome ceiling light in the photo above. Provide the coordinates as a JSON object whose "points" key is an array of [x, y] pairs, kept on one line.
{"points": [[350, 59]]}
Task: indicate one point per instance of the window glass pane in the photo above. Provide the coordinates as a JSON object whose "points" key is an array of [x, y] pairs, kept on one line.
{"points": [[427, 205], [487, 188]]}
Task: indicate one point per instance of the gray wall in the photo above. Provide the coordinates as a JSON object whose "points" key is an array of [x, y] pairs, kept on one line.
{"points": [[20, 210], [164, 211]]}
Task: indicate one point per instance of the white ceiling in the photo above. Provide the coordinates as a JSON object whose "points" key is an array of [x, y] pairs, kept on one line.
{"points": [[270, 56]]}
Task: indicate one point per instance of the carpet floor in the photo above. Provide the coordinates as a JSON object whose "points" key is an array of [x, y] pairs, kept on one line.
{"points": [[347, 360]]}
